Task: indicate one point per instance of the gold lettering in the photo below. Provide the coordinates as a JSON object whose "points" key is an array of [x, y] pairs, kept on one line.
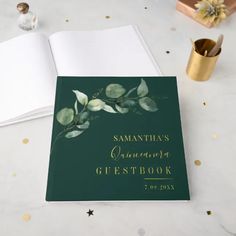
{"points": [[117, 170], [159, 170], [141, 138], [107, 170], [99, 170], [142, 170], [125, 171], [115, 152], [168, 172], [133, 169], [167, 138], [150, 170]]}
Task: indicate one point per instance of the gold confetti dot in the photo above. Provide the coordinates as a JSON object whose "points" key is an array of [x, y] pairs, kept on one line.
{"points": [[215, 136], [26, 217], [14, 174], [25, 141], [197, 162], [209, 213], [107, 17]]}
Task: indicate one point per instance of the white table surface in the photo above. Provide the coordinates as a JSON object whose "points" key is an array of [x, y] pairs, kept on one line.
{"points": [[209, 131]]}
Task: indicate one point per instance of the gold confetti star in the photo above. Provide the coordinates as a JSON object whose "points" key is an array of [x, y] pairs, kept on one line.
{"points": [[197, 162], [26, 217], [25, 141], [215, 136], [209, 213], [107, 17]]}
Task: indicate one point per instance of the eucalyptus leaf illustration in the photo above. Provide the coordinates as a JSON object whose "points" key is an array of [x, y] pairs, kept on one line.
{"points": [[122, 110], [108, 108], [77, 120], [83, 116], [148, 104], [115, 90], [76, 107], [142, 89], [130, 91], [74, 133], [81, 97], [85, 125], [65, 116], [96, 104], [128, 103]]}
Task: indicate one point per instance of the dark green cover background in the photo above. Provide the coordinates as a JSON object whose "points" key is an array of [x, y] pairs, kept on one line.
{"points": [[73, 161]]}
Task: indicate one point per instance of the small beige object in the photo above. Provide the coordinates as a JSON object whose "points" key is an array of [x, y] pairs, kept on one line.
{"points": [[197, 162], [25, 141], [26, 217], [217, 46], [215, 136], [22, 7], [14, 174]]}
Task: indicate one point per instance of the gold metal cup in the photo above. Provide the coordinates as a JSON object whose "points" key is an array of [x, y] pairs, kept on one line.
{"points": [[200, 67]]}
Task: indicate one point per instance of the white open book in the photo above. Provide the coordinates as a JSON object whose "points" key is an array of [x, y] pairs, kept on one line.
{"points": [[30, 64]]}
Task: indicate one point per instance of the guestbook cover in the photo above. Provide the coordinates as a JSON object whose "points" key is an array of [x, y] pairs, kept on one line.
{"points": [[117, 138]]}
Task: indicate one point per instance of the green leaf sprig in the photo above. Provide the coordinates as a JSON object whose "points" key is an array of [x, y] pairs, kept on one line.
{"points": [[116, 99]]}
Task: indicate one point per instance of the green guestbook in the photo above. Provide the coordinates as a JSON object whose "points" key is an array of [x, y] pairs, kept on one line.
{"points": [[117, 138]]}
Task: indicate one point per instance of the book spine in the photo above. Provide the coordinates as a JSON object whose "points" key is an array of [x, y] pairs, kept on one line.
{"points": [[184, 172]]}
